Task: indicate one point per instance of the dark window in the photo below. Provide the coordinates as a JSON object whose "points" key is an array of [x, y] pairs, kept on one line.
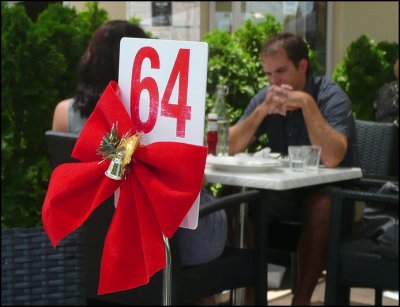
{"points": [[34, 8]]}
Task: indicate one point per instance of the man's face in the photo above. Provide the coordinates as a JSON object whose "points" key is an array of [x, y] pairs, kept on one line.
{"points": [[280, 70]]}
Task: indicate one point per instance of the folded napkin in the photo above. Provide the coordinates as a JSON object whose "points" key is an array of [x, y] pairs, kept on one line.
{"points": [[263, 153], [259, 157]]}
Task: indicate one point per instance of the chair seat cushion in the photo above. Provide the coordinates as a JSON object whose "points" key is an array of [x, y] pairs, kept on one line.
{"points": [[218, 274], [362, 265]]}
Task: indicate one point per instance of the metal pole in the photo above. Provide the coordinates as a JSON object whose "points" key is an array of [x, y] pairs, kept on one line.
{"points": [[239, 295], [167, 274]]}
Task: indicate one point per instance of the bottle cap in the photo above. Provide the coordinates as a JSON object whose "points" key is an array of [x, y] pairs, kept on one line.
{"points": [[212, 116]]}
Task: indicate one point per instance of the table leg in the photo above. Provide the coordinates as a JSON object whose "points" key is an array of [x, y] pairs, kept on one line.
{"points": [[239, 295], [260, 238], [260, 233]]}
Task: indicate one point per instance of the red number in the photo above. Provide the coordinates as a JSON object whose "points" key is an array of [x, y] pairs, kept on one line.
{"points": [[148, 84], [181, 111]]}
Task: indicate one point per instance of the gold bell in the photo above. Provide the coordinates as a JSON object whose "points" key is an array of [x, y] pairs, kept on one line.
{"points": [[114, 170]]}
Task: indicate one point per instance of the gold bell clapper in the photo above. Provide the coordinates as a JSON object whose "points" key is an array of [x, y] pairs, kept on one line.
{"points": [[115, 169]]}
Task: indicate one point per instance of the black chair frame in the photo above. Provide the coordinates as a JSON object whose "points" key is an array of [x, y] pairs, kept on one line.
{"points": [[353, 260], [377, 145]]}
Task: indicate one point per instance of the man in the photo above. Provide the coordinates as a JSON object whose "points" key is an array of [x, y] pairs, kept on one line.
{"points": [[299, 109]]}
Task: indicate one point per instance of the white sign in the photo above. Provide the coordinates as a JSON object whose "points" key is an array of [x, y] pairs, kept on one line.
{"points": [[163, 88]]}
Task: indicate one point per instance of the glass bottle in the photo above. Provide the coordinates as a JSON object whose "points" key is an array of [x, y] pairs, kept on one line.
{"points": [[222, 122], [212, 133]]}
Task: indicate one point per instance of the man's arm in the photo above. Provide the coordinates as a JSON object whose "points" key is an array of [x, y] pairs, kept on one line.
{"points": [[242, 134], [333, 144]]}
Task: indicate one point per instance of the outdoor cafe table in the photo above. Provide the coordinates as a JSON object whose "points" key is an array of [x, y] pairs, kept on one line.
{"points": [[277, 178], [281, 178]]}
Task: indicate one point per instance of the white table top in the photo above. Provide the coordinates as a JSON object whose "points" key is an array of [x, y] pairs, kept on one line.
{"points": [[281, 177]]}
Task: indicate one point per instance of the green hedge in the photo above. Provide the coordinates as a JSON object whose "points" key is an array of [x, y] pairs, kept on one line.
{"points": [[39, 68], [365, 67]]}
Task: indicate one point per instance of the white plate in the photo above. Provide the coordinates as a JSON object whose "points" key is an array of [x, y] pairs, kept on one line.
{"points": [[234, 164]]}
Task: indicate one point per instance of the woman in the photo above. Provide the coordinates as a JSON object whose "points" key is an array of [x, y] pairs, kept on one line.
{"points": [[97, 67]]}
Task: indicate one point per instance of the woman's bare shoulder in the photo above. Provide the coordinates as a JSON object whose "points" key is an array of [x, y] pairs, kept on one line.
{"points": [[60, 117]]}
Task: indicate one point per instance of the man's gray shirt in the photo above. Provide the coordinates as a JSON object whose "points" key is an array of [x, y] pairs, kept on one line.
{"points": [[335, 107]]}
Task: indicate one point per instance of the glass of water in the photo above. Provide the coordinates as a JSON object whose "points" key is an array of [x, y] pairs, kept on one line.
{"points": [[312, 156], [296, 158]]}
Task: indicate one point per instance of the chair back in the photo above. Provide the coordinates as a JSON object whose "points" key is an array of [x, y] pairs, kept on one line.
{"points": [[60, 146], [395, 156], [32, 271], [376, 146]]}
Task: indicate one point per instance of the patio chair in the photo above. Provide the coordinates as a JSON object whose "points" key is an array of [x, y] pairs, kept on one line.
{"points": [[377, 147], [60, 146], [355, 261], [32, 271], [377, 143], [235, 268], [378, 157]]}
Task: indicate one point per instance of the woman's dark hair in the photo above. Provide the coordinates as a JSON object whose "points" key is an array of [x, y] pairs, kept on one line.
{"points": [[99, 63], [294, 46]]}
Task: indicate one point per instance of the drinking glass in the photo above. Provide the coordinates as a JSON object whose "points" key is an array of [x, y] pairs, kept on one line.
{"points": [[312, 156], [296, 158]]}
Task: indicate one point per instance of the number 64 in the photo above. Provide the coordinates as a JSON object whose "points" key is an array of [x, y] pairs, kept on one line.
{"points": [[181, 111]]}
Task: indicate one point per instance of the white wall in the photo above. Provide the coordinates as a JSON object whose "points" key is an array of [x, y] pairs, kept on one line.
{"points": [[379, 20], [115, 9]]}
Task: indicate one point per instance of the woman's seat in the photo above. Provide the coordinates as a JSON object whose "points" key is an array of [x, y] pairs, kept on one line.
{"points": [[235, 268]]}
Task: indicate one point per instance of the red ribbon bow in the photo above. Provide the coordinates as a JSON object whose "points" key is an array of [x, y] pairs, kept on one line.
{"points": [[164, 181]]}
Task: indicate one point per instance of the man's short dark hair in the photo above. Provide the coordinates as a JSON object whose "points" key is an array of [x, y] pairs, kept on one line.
{"points": [[294, 46]]}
